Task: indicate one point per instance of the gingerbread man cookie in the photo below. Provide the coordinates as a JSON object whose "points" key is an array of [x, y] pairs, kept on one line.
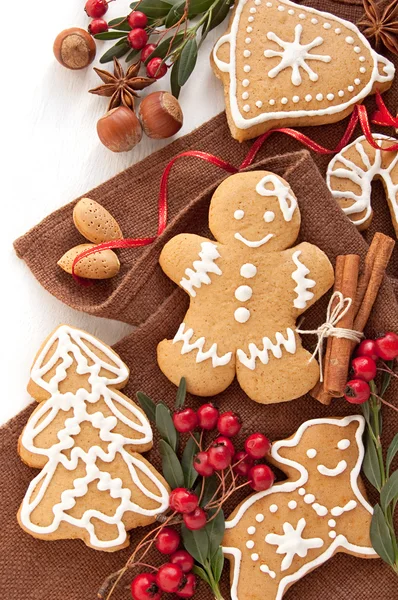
{"points": [[274, 538], [351, 172], [246, 291], [284, 64], [86, 437]]}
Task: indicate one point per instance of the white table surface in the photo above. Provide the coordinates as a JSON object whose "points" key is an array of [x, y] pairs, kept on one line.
{"points": [[51, 155]]}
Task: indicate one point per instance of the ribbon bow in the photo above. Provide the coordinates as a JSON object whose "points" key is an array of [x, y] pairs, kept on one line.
{"points": [[382, 116]]}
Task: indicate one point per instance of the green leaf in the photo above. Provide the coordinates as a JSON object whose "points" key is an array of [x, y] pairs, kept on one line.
{"points": [[196, 543], [164, 48], [201, 573], [215, 532], [197, 7], [380, 536], [120, 24], [147, 405], [175, 88], [391, 452], [217, 564], [171, 467], [190, 475], [386, 379], [188, 58], [118, 50], [155, 8], [181, 393], [211, 485], [175, 13], [370, 464], [389, 491], [132, 55], [366, 412], [165, 425], [219, 13], [110, 35]]}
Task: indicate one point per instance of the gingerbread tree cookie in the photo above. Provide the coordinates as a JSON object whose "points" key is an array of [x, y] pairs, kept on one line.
{"points": [[284, 64], [86, 437], [274, 538], [246, 291]]}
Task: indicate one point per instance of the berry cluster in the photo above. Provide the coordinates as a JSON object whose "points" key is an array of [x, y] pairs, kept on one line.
{"points": [[174, 576], [364, 365]]}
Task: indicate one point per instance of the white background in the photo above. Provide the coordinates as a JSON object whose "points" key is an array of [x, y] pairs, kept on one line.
{"points": [[51, 155]]}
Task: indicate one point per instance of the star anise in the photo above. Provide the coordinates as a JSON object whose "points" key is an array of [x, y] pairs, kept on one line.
{"points": [[121, 88], [381, 23]]}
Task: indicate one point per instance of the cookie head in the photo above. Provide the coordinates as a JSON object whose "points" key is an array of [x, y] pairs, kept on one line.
{"points": [[255, 212]]}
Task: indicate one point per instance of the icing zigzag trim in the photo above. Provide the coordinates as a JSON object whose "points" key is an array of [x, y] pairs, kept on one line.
{"points": [[289, 344], [217, 361], [206, 264]]}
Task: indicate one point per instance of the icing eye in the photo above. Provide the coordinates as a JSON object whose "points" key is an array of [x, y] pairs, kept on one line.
{"points": [[239, 214], [269, 216]]}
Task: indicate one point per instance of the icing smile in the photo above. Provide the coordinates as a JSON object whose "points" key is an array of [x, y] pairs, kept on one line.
{"points": [[255, 244], [340, 468]]}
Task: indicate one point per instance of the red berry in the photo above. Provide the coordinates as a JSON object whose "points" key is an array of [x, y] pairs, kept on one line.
{"points": [[147, 51], [387, 346], [357, 391], [229, 424], [367, 348], [244, 465], [185, 420], [208, 416], [167, 540], [137, 38], [156, 68], [144, 587], [183, 500], [169, 577], [224, 441], [98, 26], [196, 519], [188, 590], [183, 559], [364, 367], [96, 8], [219, 457], [257, 445], [201, 464], [261, 477], [137, 20]]}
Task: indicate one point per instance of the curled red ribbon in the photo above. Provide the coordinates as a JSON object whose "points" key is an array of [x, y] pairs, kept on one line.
{"points": [[359, 114]]}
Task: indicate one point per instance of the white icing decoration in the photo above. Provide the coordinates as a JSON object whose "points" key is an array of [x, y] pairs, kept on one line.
{"points": [[248, 40], [253, 10], [247, 68], [271, 102], [246, 53], [259, 518], [292, 542], [251, 530], [332, 534], [185, 337], [296, 99], [242, 121], [340, 93], [362, 70], [273, 508], [362, 59], [332, 523], [269, 216], [294, 55], [248, 271], [309, 498], [308, 98], [327, 26], [292, 504], [239, 214], [242, 315], [281, 8], [243, 293], [362, 176], [350, 88], [245, 95], [320, 510], [343, 444], [290, 11], [337, 511], [299, 276], [338, 470], [246, 107], [254, 556], [314, 21], [259, 104], [266, 569], [250, 544], [291, 486], [284, 100], [349, 40], [249, 29], [319, 97], [357, 49], [311, 453], [289, 343], [286, 198], [357, 81], [245, 82], [302, 16], [330, 97], [250, 19], [199, 275], [74, 345], [301, 492]]}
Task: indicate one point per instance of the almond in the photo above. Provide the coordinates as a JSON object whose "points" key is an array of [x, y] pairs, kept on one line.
{"points": [[101, 265], [95, 223]]}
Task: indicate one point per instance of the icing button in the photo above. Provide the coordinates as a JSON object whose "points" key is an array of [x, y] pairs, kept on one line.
{"points": [[248, 270], [242, 314], [243, 293], [260, 518]]}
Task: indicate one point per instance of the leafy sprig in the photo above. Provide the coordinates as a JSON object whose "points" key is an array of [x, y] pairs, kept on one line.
{"points": [[169, 27]]}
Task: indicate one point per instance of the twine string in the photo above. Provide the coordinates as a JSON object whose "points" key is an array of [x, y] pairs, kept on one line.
{"points": [[329, 329]]}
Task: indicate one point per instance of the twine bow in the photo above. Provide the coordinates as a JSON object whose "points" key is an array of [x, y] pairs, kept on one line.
{"points": [[329, 329]]}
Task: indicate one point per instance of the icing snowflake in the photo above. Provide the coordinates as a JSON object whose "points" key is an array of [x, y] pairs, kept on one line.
{"points": [[294, 55], [292, 543]]}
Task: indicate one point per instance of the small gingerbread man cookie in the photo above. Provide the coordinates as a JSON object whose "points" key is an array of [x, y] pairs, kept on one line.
{"points": [[351, 172], [86, 437], [276, 537], [246, 291]]}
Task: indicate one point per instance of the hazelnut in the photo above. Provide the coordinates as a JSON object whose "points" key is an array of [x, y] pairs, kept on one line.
{"points": [[119, 130], [74, 48], [161, 115]]}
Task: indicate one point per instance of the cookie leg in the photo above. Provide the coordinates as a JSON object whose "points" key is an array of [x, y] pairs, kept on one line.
{"points": [[207, 371], [280, 379]]}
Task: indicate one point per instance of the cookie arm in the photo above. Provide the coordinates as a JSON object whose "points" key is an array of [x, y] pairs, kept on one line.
{"points": [[312, 275]]}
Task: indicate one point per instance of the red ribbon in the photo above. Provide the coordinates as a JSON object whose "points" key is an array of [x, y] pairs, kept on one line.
{"points": [[359, 114]]}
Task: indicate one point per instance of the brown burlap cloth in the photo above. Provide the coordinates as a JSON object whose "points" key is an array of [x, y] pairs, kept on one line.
{"points": [[142, 295]]}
